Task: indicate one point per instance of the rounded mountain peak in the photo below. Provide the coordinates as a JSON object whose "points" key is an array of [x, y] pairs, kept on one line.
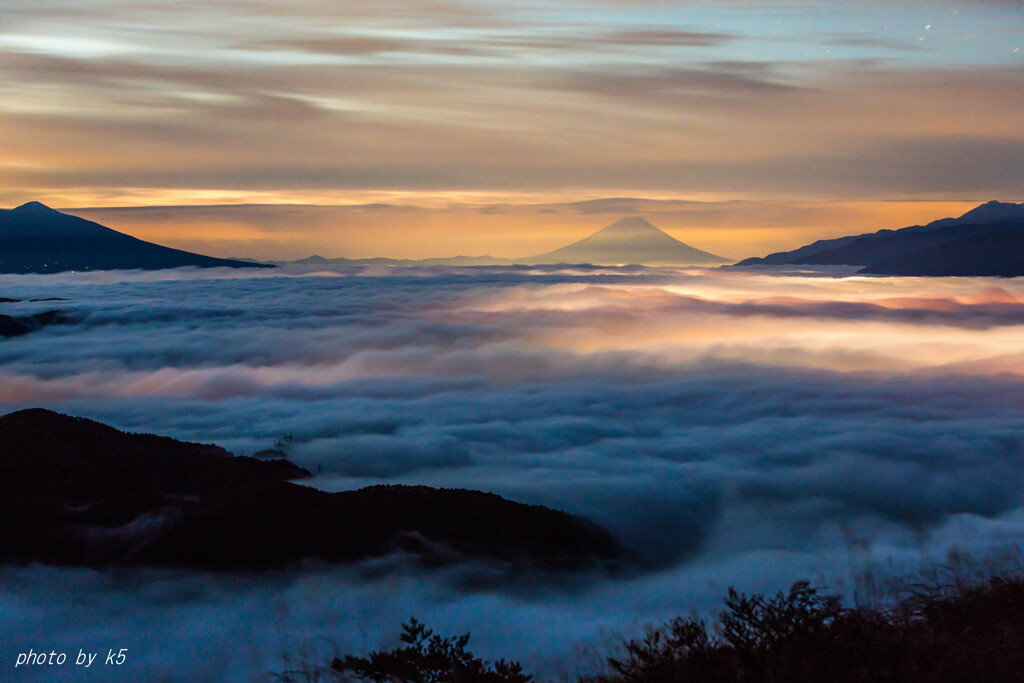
{"points": [[631, 223], [33, 206]]}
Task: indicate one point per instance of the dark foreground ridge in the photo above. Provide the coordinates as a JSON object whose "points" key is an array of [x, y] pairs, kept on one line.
{"points": [[972, 633], [948, 636], [37, 239], [77, 492]]}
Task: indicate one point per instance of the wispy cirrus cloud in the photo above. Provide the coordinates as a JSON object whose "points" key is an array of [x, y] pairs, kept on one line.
{"points": [[741, 101]]}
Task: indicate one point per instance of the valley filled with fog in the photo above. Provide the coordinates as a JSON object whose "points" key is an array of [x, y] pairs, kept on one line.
{"points": [[729, 427]]}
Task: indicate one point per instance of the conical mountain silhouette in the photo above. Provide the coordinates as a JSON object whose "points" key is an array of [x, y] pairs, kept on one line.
{"points": [[626, 241], [37, 239]]}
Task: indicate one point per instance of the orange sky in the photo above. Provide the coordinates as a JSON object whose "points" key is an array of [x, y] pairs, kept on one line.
{"points": [[785, 120], [731, 229]]}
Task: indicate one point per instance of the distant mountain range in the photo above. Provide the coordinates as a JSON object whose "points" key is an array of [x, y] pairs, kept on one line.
{"points": [[317, 260], [37, 239], [986, 241], [628, 241]]}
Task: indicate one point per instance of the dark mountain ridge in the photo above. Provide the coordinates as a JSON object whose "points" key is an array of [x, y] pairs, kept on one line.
{"points": [[77, 492], [889, 244], [37, 239], [989, 233], [18, 325], [998, 254]]}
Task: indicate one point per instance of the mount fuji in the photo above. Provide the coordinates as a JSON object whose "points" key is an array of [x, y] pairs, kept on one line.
{"points": [[629, 241]]}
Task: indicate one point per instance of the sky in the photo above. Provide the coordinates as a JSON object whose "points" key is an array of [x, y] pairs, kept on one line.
{"points": [[410, 128]]}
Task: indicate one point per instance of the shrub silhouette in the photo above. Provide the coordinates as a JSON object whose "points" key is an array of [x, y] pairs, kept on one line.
{"points": [[427, 658], [974, 634], [962, 634], [757, 637]]}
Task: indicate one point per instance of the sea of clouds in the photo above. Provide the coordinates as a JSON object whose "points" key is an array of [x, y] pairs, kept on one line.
{"points": [[731, 428]]}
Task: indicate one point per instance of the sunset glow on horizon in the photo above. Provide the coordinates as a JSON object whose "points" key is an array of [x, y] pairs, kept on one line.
{"points": [[487, 122]]}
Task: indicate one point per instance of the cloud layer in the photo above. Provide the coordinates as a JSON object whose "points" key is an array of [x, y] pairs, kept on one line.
{"points": [[730, 428]]}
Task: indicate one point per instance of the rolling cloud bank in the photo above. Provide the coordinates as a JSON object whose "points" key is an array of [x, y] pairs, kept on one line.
{"points": [[729, 427]]}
